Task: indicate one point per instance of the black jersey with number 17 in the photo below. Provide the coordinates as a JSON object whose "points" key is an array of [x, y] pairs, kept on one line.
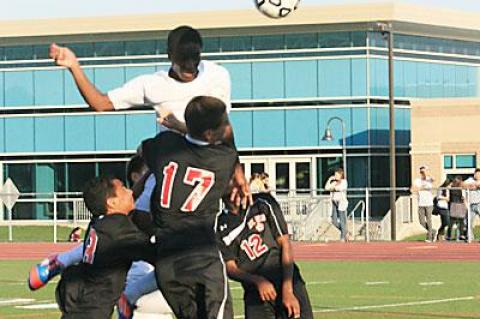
{"points": [[191, 179]]}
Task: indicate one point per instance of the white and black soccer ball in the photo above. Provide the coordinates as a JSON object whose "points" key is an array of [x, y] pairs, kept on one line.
{"points": [[276, 8]]}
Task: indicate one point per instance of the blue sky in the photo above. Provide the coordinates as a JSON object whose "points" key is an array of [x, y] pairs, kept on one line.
{"points": [[30, 9]]}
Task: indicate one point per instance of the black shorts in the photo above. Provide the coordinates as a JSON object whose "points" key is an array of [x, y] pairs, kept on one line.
{"points": [[195, 286], [255, 308]]}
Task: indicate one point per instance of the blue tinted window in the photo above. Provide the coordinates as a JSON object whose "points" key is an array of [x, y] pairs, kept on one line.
{"points": [[24, 52], [269, 128], [410, 76], [379, 126], [241, 78], [143, 47], [49, 87], [302, 128], [111, 48], [461, 81], [379, 77], [49, 134], [334, 78], [79, 133], [448, 161], [109, 78], [82, 49], [19, 135], [465, 161], [19, 88], [268, 42], [359, 134], [301, 79], [301, 40], [243, 43], [110, 132], [41, 51], [334, 40], [359, 77], [138, 128], [268, 80], [2, 98], [399, 78], [242, 122], [449, 80], [2, 135], [211, 44]]}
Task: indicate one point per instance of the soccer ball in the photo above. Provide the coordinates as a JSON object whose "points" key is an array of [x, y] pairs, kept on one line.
{"points": [[276, 8]]}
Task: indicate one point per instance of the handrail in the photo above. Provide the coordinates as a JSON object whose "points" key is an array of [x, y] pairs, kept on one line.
{"points": [[352, 213]]}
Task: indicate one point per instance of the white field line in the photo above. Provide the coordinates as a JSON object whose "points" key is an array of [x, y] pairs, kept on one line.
{"points": [[377, 283], [15, 301], [39, 306], [432, 283], [404, 304]]}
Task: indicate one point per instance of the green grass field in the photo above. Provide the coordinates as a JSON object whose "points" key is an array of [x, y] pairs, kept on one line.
{"points": [[352, 290]]}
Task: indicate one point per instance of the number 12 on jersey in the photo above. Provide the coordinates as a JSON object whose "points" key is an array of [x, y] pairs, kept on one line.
{"points": [[203, 178]]}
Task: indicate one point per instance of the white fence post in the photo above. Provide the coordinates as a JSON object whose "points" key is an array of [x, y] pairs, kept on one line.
{"points": [[10, 227], [55, 217], [469, 213], [367, 215]]}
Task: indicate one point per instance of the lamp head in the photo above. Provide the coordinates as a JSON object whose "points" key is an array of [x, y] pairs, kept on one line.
{"points": [[328, 135]]}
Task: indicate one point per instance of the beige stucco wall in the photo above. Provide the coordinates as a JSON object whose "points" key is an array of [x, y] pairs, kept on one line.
{"points": [[443, 126]]}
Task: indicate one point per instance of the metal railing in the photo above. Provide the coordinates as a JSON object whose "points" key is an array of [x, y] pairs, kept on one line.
{"points": [[307, 213]]}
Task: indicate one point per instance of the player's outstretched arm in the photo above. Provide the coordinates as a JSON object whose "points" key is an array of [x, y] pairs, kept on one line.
{"points": [[63, 56], [266, 290], [288, 298]]}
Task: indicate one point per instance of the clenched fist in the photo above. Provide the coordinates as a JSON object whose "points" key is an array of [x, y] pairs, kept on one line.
{"points": [[63, 56]]}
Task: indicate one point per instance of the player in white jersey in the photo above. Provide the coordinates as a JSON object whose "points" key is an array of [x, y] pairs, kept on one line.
{"points": [[168, 92]]}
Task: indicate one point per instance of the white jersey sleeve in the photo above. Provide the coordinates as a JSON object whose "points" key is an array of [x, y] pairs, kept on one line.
{"points": [[131, 93]]}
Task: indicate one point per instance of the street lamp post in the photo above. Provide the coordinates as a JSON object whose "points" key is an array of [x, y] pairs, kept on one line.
{"points": [[387, 31], [328, 137]]}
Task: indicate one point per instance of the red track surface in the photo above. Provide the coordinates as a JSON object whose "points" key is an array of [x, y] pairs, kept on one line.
{"points": [[405, 251]]}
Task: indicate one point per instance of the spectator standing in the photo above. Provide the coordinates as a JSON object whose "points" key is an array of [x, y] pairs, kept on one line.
{"points": [[337, 186], [458, 208], [423, 186]]}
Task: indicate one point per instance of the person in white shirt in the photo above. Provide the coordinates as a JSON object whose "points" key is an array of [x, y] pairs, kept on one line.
{"points": [[473, 186], [423, 186], [337, 186]]}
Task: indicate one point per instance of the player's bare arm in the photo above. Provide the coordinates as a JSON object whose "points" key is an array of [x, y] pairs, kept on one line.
{"points": [[170, 121], [288, 298], [65, 57], [265, 288]]}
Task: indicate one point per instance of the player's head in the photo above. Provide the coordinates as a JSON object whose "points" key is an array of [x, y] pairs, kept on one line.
{"points": [[206, 119], [136, 167], [106, 195], [457, 181], [184, 46]]}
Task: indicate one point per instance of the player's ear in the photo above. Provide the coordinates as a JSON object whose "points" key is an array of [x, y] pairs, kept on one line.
{"points": [[111, 204]]}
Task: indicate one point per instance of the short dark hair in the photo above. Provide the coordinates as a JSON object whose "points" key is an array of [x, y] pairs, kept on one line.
{"points": [[95, 194], [184, 46], [477, 170], [135, 165], [204, 113]]}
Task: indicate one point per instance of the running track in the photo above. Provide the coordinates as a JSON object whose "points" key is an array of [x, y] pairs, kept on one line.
{"points": [[378, 251]]}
